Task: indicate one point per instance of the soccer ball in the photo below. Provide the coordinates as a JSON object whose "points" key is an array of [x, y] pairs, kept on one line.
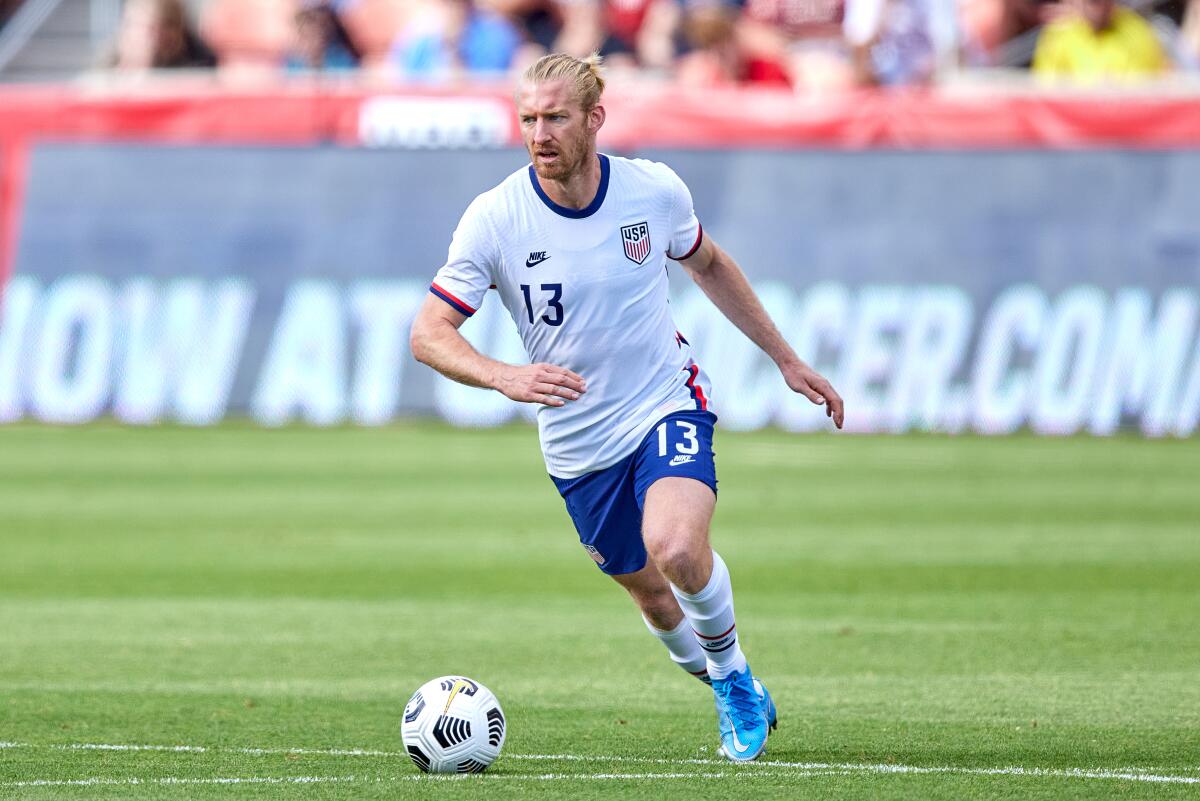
{"points": [[453, 724]]}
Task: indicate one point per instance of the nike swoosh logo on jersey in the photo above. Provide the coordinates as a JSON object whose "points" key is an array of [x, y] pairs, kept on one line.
{"points": [[678, 460], [535, 259]]}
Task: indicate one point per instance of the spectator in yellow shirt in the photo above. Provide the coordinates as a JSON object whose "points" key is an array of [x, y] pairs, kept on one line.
{"points": [[1100, 42]]}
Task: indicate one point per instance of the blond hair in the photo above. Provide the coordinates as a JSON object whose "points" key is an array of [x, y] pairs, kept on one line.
{"points": [[584, 74]]}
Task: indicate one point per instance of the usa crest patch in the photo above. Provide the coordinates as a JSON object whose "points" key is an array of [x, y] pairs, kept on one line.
{"points": [[596, 555], [636, 239]]}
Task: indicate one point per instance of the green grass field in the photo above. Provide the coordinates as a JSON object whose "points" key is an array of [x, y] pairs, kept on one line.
{"points": [[936, 617]]}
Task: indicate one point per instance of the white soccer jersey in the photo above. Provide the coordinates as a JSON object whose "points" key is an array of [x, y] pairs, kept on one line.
{"points": [[587, 289]]}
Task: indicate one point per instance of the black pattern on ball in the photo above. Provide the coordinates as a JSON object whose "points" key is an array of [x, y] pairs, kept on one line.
{"points": [[468, 687], [495, 720], [450, 731], [419, 759], [413, 710]]}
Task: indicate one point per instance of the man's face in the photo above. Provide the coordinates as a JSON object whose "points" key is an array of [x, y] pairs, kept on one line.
{"points": [[558, 133]]}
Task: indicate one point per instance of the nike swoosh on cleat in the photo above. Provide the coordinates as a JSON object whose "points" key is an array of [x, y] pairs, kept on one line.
{"points": [[737, 744]]}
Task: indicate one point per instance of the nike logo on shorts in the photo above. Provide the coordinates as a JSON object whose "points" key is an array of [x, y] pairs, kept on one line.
{"points": [[678, 460]]}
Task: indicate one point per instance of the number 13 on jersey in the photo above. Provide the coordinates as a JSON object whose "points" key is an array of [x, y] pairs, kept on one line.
{"points": [[554, 314]]}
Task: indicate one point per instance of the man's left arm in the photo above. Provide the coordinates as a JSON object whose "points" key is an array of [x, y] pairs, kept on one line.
{"points": [[718, 275]]}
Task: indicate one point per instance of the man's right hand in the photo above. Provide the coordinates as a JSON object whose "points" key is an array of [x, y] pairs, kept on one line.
{"points": [[539, 383]]}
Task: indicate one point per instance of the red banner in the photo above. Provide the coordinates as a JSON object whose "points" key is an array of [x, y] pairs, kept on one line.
{"points": [[654, 115], [638, 116]]}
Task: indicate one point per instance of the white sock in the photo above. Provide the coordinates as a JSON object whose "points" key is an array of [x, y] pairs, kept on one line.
{"points": [[685, 650], [710, 613]]}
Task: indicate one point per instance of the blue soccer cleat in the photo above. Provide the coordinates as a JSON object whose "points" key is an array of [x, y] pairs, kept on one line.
{"points": [[745, 713], [768, 706]]}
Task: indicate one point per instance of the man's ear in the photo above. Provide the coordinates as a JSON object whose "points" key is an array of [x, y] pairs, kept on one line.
{"points": [[596, 118]]}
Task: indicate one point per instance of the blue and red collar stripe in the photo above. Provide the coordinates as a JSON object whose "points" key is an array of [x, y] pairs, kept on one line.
{"points": [[457, 304], [576, 214]]}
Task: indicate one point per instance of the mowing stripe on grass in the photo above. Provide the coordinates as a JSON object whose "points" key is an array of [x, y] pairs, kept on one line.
{"points": [[792, 768], [419, 777]]}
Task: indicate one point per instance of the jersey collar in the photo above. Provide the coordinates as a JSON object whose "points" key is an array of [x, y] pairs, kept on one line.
{"points": [[586, 211]]}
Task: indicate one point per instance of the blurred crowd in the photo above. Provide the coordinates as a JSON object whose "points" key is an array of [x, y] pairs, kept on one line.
{"points": [[808, 45]]}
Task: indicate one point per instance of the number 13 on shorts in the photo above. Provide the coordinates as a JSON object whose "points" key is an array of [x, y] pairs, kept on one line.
{"points": [[681, 434], [679, 445]]}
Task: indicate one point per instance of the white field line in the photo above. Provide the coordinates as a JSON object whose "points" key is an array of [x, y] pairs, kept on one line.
{"points": [[791, 768]]}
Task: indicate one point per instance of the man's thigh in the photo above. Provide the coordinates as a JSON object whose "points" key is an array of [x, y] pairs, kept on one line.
{"points": [[678, 509], [675, 522], [676, 482]]}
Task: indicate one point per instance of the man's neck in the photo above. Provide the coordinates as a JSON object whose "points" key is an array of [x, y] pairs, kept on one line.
{"points": [[578, 190]]}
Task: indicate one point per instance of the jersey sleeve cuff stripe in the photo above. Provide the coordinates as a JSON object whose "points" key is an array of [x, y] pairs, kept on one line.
{"points": [[452, 300], [695, 247]]}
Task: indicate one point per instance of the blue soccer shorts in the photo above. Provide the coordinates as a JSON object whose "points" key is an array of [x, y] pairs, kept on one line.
{"points": [[606, 505]]}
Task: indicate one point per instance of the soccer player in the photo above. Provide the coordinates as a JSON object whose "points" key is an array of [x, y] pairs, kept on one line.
{"points": [[576, 246]]}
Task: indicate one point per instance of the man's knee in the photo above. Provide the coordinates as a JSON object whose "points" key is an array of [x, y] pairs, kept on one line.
{"points": [[682, 555], [670, 551]]}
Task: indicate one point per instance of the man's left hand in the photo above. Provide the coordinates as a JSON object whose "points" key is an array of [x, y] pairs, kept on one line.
{"points": [[812, 385]]}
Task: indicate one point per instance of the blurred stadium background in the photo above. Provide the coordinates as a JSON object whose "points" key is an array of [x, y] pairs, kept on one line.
{"points": [[235, 512], [232, 207]]}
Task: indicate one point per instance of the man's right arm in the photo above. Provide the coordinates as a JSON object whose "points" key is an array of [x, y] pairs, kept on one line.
{"points": [[437, 342]]}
